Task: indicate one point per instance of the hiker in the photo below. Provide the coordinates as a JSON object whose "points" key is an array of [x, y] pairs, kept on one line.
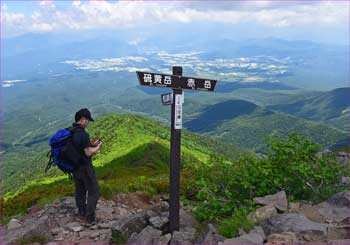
{"points": [[86, 185]]}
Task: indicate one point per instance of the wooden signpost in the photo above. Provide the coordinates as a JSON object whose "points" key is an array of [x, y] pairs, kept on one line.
{"points": [[177, 82]]}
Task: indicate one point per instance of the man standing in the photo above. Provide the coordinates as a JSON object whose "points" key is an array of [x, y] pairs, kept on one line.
{"points": [[86, 185]]}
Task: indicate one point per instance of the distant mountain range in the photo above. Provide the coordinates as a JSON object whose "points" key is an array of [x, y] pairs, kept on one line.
{"points": [[330, 107], [247, 124]]}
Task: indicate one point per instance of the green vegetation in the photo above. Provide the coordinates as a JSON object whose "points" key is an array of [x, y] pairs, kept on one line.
{"points": [[229, 226], [246, 124], [122, 134], [224, 190], [32, 240], [330, 107], [118, 238]]}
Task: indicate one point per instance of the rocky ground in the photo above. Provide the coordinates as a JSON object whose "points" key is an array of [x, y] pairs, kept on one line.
{"points": [[135, 219]]}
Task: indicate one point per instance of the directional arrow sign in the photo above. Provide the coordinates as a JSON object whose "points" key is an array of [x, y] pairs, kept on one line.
{"points": [[176, 82]]}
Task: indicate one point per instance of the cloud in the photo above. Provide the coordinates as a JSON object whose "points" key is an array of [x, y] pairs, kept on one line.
{"points": [[81, 15]]}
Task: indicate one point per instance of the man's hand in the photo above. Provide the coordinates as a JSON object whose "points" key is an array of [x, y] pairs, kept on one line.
{"points": [[92, 150]]}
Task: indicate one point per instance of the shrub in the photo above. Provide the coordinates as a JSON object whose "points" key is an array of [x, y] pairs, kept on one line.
{"points": [[291, 165]]}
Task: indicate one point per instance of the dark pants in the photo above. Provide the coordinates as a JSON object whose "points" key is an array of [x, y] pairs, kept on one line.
{"points": [[86, 185]]}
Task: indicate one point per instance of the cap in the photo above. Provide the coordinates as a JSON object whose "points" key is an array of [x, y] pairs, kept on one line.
{"points": [[83, 113]]}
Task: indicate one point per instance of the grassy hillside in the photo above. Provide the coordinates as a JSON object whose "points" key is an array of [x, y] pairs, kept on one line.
{"points": [[244, 123], [127, 136], [332, 107]]}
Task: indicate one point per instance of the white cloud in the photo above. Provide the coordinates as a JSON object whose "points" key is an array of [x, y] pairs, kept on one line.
{"points": [[122, 14]]}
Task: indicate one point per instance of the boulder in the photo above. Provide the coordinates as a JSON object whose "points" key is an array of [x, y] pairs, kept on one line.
{"points": [[136, 223], [210, 236], [104, 212], [296, 223], [336, 208], [262, 214], [186, 219], [184, 236], [338, 232], [14, 224], [164, 239], [345, 180], [33, 228], [344, 241], [148, 235], [159, 222], [282, 238], [341, 199], [278, 200], [255, 236]]}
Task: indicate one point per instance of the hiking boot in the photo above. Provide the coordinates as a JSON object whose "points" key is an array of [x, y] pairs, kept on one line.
{"points": [[91, 220], [81, 212]]}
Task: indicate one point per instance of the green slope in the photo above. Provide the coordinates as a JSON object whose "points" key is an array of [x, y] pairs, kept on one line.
{"points": [[246, 124], [130, 141], [331, 107]]}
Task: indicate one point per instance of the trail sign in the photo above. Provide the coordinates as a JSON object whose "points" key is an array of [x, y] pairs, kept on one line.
{"points": [[176, 82], [178, 111], [167, 99]]}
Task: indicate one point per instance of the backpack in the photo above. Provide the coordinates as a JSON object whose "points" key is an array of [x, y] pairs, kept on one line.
{"points": [[63, 152]]}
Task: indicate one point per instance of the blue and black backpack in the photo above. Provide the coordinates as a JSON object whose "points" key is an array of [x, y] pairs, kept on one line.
{"points": [[63, 152]]}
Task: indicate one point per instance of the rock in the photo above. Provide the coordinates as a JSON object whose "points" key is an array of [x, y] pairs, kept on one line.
{"points": [[344, 241], [120, 212], [336, 208], [338, 232], [158, 222], [255, 236], [64, 221], [326, 153], [104, 213], [135, 223], [13, 224], [296, 223], [73, 225], [187, 219], [278, 200], [33, 228], [105, 225], [148, 235], [345, 180], [164, 239], [294, 207], [68, 203], [150, 214], [77, 228], [282, 238], [52, 210], [210, 236], [164, 206], [184, 236], [56, 231], [241, 232], [263, 213], [59, 238], [341, 199], [84, 234], [343, 157]]}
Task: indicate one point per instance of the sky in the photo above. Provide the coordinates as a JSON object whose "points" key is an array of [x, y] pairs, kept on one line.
{"points": [[321, 21]]}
